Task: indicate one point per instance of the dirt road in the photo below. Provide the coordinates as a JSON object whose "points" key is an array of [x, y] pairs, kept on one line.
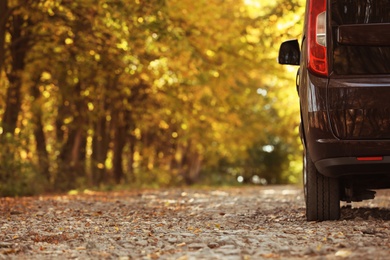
{"points": [[235, 223]]}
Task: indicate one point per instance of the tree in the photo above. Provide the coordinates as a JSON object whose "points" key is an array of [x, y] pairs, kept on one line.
{"points": [[141, 92]]}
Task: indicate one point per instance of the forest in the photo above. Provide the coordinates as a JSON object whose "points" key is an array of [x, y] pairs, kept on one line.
{"points": [[146, 93]]}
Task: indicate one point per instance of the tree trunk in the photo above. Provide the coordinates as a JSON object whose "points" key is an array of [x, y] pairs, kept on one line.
{"points": [[72, 160], [3, 30], [43, 155], [72, 155], [119, 143], [194, 167], [130, 160], [19, 48], [100, 144], [190, 164]]}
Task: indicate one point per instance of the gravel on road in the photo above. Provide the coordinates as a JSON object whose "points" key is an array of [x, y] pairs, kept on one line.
{"points": [[262, 222]]}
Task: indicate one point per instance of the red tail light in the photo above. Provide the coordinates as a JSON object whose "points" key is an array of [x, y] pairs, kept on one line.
{"points": [[375, 158], [317, 62]]}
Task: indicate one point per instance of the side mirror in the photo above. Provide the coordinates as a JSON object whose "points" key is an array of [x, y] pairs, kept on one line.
{"points": [[289, 53]]}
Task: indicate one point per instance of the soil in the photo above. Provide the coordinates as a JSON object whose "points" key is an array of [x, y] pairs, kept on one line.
{"points": [[262, 222]]}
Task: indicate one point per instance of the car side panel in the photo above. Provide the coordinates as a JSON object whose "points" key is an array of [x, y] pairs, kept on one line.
{"points": [[312, 96]]}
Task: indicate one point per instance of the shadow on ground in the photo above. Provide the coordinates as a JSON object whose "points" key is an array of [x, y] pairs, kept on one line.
{"points": [[349, 213]]}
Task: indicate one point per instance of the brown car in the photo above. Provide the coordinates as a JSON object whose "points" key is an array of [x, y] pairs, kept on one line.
{"points": [[344, 92]]}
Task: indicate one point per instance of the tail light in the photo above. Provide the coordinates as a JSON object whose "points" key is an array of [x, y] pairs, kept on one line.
{"points": [[365, 159], [317, 58]]}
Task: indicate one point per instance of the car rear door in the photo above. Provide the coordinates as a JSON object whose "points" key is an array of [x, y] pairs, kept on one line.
{"points": [[358, 96]]}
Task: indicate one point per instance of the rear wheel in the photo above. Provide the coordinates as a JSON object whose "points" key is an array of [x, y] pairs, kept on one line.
{"points": [[322, 193]]}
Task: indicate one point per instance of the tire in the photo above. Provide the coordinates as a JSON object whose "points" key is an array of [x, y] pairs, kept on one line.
{"points": [[322, 194]]}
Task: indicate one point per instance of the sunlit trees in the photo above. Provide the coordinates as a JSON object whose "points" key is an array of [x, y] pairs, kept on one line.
{"points": [[144, 92]]}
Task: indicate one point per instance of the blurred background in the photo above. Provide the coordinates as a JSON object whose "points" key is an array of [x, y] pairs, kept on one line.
{"points": [[146, 93]]}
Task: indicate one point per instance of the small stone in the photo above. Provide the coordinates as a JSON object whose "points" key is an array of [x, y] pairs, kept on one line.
{"points": [[142, 243], [309, 251], [284, 249], [91, 245], [196, 246], [187, 235], [40, 214], [226, 240], [369, 231], [228, 250], [212, 245], [172, 240], [6, 245]]}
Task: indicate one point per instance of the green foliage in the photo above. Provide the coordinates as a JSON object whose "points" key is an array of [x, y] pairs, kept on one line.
{"points": [[148, 92], [18, 174]]}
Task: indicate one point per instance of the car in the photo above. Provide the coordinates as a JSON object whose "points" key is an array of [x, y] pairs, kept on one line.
{"points": [[343, 84]]}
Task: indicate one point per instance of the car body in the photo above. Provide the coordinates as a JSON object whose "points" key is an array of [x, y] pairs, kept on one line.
{"points": [[343, 84]]}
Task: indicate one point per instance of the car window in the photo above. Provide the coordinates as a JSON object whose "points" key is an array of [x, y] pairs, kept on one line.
{"points": [[359, 59]]}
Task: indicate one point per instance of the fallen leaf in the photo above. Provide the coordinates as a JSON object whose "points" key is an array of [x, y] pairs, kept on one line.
{"points": [[344, 253]]}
